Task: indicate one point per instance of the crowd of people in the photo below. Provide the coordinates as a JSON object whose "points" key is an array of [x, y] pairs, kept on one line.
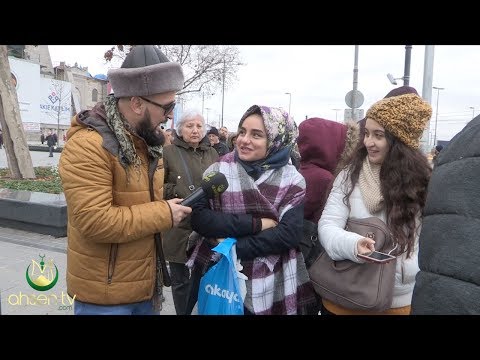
{"points": [[126, 178]]}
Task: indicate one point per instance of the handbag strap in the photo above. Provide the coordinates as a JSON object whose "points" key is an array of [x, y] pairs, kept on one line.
{"points": [[191, 187], [373, 223]]}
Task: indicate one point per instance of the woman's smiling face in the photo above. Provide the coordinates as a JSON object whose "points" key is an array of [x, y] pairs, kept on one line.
{"points": [[375, 142], [252, 139]]}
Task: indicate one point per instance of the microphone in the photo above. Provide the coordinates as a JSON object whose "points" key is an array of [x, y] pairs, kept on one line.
{"points": [[213, 183]]}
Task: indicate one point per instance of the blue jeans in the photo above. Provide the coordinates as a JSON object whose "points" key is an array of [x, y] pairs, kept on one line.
{"points": [[140, 308]]}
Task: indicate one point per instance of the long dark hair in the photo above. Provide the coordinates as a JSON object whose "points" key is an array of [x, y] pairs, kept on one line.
{"points": [[404, 178]]}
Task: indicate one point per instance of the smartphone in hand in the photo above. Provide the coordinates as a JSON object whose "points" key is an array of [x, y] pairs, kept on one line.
{"points": [[377, 257]]}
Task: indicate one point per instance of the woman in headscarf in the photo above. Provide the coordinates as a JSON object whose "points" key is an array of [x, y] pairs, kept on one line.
{"points": [[263, 209]]}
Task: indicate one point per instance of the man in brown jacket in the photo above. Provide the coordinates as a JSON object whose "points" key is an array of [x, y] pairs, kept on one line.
{"points": [[112, 175]]}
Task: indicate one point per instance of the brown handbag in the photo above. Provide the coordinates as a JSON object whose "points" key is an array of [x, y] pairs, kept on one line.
{"points": [[365, 286]]}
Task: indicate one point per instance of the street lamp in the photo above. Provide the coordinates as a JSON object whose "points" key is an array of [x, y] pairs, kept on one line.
{"points": [[289, 102], [223, 85], [223, 89], [473, 111], [406, 71], [436, 114], [203, 99], [208, 109], [393, 79]]}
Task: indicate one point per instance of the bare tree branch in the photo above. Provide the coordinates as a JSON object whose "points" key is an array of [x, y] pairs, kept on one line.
{"points": [[64, 98], [205, 67]]}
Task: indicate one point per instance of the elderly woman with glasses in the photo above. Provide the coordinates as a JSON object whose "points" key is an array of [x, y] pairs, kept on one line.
{"points": [[184, 163]]}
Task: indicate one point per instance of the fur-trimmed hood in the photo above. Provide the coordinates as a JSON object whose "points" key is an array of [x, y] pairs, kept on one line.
{"points": [[352, 137]]}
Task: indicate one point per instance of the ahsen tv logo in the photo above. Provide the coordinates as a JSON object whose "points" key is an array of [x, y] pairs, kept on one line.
{"points": [[46, 278], [42, 276]]}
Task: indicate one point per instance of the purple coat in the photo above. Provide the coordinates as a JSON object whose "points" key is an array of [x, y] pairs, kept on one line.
{"points": [[324, 147]]}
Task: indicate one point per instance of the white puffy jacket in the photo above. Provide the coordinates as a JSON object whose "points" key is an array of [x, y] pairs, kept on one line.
{"points": [[341, 244]]}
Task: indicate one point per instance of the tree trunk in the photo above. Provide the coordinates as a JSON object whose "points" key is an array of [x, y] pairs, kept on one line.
{"points": [[16, 147]]}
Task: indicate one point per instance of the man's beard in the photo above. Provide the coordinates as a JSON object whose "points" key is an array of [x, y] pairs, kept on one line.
{"points": [[153, 137]]}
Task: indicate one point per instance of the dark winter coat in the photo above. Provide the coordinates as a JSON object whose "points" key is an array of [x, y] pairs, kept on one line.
{"points": [[50, 140], [221, 148], [177, 185], [449, 254]]}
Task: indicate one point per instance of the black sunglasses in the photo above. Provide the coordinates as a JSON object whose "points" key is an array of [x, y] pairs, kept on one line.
{"points": [[167, 108]]}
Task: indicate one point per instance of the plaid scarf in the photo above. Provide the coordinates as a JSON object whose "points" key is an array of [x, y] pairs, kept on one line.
{"points": [[277, 284]]}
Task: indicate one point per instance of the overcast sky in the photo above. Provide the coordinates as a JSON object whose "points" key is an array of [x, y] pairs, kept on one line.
{"points": [[319, 76]]}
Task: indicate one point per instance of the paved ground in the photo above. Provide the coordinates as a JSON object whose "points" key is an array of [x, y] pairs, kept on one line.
{"points": [[39, 158], [18, 249]]}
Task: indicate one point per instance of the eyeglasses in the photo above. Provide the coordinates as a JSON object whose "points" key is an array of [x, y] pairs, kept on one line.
{"points": [[167, 108]]}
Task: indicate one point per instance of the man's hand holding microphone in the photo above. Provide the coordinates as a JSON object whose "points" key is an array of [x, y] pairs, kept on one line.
{"points": [[179, 211], [213, 184]]}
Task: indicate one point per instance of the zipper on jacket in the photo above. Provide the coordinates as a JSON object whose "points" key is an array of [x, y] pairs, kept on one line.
{"points": [[403, 274], [111, 261]]}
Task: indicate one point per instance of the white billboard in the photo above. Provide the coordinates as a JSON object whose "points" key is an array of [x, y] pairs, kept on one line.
{"points": [[26, 78], [55, 101], [31, 127]]}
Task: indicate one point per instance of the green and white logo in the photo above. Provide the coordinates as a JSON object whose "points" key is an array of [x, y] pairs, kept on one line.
{"points": [[43, 276]]}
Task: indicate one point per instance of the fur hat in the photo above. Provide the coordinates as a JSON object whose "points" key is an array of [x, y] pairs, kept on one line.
{"points": [[404, 116], [146, 71], [213, 130]]}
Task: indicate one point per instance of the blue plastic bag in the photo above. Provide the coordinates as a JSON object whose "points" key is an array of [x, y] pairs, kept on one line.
{"points": [[219, 291]]}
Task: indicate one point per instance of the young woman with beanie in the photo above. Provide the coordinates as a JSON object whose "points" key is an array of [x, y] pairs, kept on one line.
{"points": [[388, 179]]}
